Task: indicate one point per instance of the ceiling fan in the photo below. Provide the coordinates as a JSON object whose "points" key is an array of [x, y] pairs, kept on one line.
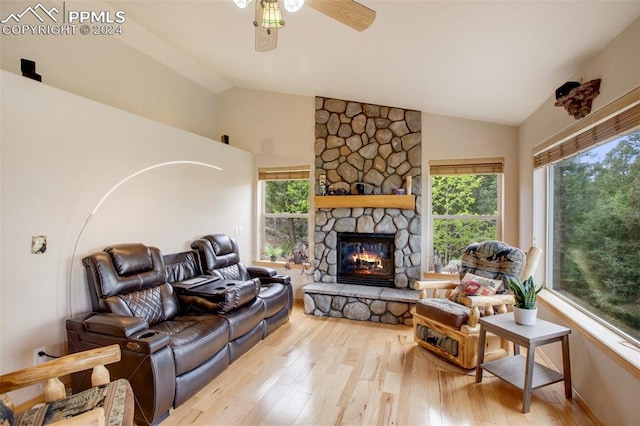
{"points": [[268, 17]]}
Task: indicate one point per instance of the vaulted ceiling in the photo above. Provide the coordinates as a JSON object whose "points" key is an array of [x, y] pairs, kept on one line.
{"points": [[494, 61]]}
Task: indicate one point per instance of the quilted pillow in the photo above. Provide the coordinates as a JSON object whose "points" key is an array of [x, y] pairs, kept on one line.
{"points": [[474, 285]]}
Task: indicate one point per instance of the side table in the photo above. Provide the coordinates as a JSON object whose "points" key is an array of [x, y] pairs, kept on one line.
{"points": [[525, 373]]}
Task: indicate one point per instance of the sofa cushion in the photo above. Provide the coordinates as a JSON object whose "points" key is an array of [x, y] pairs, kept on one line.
{"points": [[153, 304], [243, 319], [225, 250], [221, 244], [182, 266], [130, 258], [275, 297], [194, 338], [443, 311]]}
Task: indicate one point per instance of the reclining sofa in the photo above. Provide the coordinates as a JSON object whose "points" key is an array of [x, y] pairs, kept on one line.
{"points": [[174, 340]]}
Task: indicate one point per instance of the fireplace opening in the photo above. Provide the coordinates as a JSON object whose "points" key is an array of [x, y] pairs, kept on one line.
{"points": [[366, 259]]}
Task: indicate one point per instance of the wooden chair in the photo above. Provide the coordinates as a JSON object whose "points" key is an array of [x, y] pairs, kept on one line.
{"points": [[105, 403], [450, 329]]}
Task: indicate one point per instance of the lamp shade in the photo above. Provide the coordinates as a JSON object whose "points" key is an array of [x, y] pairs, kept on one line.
{"points": [[293, 5], [271, 14]]}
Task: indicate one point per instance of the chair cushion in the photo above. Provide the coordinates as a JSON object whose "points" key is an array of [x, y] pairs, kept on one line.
{"points": [[6, 413], [116, 398], [443, 311], [474, 285], [493, 259]]}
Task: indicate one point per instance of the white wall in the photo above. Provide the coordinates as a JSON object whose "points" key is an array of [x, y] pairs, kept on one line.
{"points": [[279, 129], [61, 154], [618, 66], [446, 138], [608, 389], [105, 69]]}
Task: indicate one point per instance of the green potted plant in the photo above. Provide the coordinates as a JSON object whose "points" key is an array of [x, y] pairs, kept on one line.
{"points": [[525, 292], [273, 252]]}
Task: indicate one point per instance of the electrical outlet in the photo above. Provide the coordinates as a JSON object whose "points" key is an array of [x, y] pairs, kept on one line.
{"points": [[37, 359]]}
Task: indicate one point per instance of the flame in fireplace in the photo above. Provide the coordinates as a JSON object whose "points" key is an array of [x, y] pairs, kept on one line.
{"points": [[366, 260]]}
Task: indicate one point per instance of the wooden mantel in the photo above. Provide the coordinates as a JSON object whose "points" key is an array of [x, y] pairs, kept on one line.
{"points": [[406, 202]]}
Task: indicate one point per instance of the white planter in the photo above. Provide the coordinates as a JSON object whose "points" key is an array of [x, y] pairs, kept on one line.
{"points": [[525, 316]]}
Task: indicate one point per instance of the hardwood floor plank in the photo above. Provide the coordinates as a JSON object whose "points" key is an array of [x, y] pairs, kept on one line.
{"points": [[287, 410], [358, 408], [333, 371]]}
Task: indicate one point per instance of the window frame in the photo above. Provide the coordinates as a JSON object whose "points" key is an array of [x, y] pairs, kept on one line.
{"points": [[477, 166], [615, 120], [272, 174]]}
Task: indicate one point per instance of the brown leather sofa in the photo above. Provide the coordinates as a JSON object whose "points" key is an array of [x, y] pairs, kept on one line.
{"points": [[220, 256], [168, 352]]}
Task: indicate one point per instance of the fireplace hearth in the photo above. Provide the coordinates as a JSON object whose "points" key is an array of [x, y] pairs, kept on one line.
{"points": [[366, 259]]}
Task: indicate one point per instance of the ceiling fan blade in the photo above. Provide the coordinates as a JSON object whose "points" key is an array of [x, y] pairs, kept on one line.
{"points": [[348, 12], [265, 39]]}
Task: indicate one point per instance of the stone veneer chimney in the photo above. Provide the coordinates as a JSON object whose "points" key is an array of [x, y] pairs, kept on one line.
{"points": [[378, 146]]}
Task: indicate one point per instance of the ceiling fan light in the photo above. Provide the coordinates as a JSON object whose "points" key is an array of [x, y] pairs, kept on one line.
{"points": [[242, 3], [271, 14], [293, 5]]}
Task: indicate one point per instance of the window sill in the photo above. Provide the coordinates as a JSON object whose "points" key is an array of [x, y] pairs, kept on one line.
{"points": [[279, 264], [612, 344]]}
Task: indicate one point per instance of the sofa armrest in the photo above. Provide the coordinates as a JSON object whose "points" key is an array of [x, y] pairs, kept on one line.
{"points": [[282, 279], [260, 272], [132, 334], [115, 325], [146, 360], [268, 275]]}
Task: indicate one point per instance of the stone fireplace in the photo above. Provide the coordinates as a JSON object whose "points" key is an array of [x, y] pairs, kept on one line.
{"points": [[368, 151], [375, 148]]}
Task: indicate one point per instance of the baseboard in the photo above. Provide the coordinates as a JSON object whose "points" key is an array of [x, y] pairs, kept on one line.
{"points": [[576, 396]]}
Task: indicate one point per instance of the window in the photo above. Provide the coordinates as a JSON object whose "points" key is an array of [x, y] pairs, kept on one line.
{"points": [[593, 224], [284, 213], [466, 206]]}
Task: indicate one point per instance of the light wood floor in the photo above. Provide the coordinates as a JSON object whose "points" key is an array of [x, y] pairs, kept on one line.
{"points": [[328, 371]]}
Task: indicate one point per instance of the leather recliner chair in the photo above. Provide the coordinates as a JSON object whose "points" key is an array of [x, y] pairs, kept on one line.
{"points": [[167, 355], [220, 256]]}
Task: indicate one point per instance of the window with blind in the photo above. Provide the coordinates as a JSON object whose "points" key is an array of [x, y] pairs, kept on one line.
{"points": [[593, 229], [466, 206], [284, 213]]}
